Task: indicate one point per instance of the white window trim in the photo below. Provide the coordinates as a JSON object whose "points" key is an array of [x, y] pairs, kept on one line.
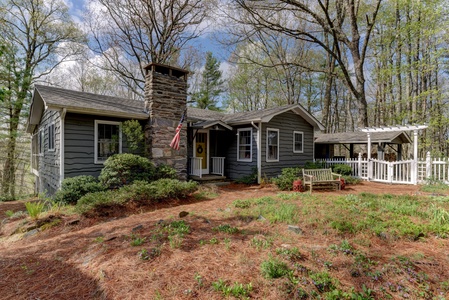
{"points": [[294, 135], [96, 161], [250, 159], [54, 137], [268, 159]]}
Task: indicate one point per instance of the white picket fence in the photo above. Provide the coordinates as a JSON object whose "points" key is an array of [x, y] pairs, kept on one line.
{"points": [[405, 171]]}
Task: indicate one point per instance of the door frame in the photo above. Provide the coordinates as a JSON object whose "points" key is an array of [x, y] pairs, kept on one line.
{"points": [[206, 131]]}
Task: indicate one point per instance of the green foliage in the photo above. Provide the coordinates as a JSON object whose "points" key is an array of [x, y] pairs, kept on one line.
{"points": [[315, 165], [138, 191], [227, 229], [165, 171], [34, 209], [351, 179], [322, 281], [74, 188], [285, 180], [137, 240], [261, 243], [292, 254], [237, 290], [135, 136], [249, 179], [434, 186], [9, 213], [242, 203], [342, 169], [123, 169], [274, 268]]}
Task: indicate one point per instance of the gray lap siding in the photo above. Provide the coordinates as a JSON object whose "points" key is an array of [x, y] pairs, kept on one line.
{"points": [[79, 144], [49, 161], [286, 123], [238, 169]]}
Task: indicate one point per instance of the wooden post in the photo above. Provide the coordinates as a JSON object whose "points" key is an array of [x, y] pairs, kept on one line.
{"points": [[370, 163]]}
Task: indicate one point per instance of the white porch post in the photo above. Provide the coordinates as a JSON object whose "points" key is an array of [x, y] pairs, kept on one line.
{"points": [[415, 157]]}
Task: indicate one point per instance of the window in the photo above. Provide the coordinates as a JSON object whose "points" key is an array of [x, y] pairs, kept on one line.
{"points": [[244, 144], [41, 141], [108, 139], [51, 137], [272, 144], [298, 142]]}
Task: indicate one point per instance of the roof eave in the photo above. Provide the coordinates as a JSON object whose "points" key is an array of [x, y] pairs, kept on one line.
{"points": [[98, 112]]}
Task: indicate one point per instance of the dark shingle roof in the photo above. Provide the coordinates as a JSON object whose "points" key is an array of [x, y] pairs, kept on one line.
{"points": [[264, 115], [358, 137], [81, 101]]}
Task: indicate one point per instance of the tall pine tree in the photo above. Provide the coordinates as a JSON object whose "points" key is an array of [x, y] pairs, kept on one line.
{"points": [[211, 85]]}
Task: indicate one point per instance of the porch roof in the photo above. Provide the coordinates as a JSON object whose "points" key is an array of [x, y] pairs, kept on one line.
{"points": [[359, 137]]}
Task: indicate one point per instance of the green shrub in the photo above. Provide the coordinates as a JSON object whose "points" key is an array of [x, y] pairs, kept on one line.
{"points": [[315, 165], [351, 179], [249, 179], [285, 180], [74, 188], [123, 169], [342, 169], [138, 191], [97, 200], [165, 171]]}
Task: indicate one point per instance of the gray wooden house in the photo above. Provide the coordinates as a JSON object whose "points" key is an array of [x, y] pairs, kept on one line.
{"points": [[73, 133]]}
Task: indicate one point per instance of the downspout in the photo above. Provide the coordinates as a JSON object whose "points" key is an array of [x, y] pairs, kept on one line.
{"points": [[61, 145], [259, 151]]}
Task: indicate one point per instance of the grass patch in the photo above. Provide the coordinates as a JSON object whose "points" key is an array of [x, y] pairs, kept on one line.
{"points": [[274, 268], [237, 290]]}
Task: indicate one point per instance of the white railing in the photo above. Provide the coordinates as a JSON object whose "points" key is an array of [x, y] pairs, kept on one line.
{"points": [[406, 172], [218, 165], [358, 165], [434, 169], [196, 166]]}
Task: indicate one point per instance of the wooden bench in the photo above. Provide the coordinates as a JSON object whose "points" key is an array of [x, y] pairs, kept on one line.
{"points": [[321, 177]]}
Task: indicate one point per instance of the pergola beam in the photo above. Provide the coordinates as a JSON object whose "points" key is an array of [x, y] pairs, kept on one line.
{"points": [[393, 128]]}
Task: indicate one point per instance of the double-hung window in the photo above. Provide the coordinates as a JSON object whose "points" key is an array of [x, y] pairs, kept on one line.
{"points": [[51, 137], [108, 139], [298, 142], [244, 144], [272, 144]]}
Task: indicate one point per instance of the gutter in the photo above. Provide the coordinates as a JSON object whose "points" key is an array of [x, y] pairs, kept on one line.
{"points": [[61, 145]]}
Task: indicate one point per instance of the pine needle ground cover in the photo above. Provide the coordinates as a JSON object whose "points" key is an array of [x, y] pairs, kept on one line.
{"points": [[371, 241]]}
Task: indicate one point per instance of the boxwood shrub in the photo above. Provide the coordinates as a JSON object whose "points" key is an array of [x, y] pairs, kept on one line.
{"points": [[138, 191], [74, 188], [125, 168]]}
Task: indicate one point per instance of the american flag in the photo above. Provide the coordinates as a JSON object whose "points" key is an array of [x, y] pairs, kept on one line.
{"points": [[176, 139]]}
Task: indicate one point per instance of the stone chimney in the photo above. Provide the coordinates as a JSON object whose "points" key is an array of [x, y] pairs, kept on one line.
{"points": [[166, 100]]}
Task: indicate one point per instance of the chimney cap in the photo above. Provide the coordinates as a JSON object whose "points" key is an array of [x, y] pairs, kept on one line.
{"points": [[166, 69]]}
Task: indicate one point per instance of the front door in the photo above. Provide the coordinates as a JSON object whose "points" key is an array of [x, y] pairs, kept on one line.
{"points": [[202, 149]]}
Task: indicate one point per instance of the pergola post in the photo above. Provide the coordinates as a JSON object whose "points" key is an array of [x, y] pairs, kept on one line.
{"points": [[370, 164]]}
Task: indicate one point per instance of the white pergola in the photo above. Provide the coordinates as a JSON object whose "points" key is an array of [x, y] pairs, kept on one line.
{"points": [[415, 129]]}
